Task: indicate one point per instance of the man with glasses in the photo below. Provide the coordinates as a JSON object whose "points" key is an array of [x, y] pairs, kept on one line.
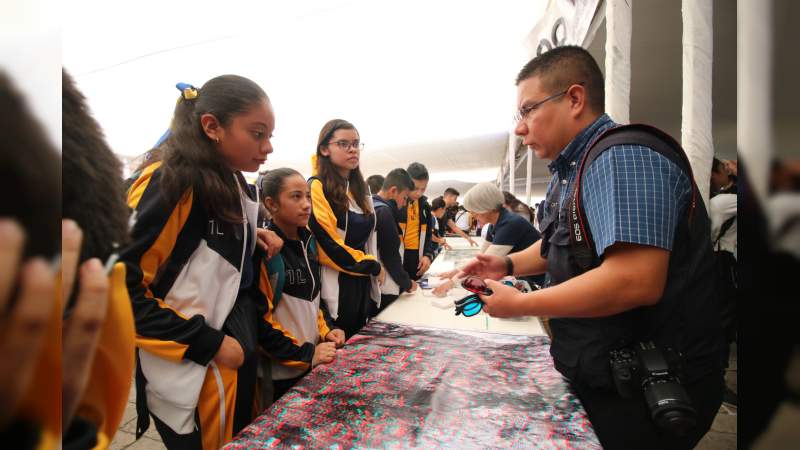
{"points": [[644, 279]]}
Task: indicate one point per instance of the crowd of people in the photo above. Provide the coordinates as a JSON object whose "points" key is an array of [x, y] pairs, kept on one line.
{"points": [[225, 294]]}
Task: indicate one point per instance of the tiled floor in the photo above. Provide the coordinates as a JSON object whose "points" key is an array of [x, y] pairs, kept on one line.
{"points": [[722, 435]]}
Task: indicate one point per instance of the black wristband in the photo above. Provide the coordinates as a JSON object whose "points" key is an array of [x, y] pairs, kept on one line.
{"points": [[509, 266]]}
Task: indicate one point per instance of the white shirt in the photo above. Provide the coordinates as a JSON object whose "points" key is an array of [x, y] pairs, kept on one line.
{"points": [[723, 207]]}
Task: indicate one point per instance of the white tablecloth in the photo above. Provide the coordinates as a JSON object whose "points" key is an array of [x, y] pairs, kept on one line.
{"points": [[418, 309]]}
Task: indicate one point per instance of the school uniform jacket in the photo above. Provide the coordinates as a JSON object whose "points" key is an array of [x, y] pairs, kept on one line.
{"points": [[426, 221], [184, 271], [340, 251], [296, 309], [390, 247]]}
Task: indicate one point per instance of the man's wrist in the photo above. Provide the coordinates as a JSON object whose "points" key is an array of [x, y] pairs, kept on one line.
{"points": [[509, 266]]}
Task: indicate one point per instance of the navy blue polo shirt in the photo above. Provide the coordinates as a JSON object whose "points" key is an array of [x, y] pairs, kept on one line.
{"points": [[511, 229]]}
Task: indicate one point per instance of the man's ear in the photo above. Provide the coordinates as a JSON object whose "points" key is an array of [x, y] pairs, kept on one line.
{"points": [[211, 127], [577, 99]]}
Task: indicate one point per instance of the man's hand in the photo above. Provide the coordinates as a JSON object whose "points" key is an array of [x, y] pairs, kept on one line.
{"points": [[471, 242], [382, 276], [423, 266], [413, 286], [446, 245], [230, 353], [323, 354], [269, 241], [486, 266], [336, 336], [505, 301]]}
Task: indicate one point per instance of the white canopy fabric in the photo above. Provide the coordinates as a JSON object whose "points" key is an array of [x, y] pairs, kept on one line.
{"points": [[425, 81]]}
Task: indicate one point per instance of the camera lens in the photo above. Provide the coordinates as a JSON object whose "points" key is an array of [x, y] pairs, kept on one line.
{"points": [[669, 405]]}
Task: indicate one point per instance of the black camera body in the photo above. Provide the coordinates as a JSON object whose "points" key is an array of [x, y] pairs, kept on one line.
{"points": [[644, 369]]}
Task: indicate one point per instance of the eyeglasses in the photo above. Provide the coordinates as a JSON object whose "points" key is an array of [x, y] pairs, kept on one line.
{"points": [[476, 285], [346, 145], [523, 112], [472, 304], [469, 305]]}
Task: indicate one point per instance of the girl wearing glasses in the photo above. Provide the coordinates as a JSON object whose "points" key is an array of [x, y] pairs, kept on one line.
{"points": [[343, 223]]}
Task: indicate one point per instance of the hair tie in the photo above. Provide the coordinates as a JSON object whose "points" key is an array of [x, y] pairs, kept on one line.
{"points": [[188, 91]]}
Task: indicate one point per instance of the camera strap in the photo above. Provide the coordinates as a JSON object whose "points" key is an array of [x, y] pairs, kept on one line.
{"points": [[582, 247]]}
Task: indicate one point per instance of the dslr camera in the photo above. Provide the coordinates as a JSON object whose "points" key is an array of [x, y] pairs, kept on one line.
{"points": [[645, 370]]}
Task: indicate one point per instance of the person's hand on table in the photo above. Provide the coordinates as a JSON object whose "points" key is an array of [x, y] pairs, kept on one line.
{"points": [[471, 242], [446, 245], [486, 266], [269, 241], [423, 266], [413, 286], [324, 353], [443, 288], [336, 336], [505, 301], [23, 318], [448, 274]]}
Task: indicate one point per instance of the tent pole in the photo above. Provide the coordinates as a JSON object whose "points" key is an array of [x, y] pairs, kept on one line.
{"points": [[618, 60]]}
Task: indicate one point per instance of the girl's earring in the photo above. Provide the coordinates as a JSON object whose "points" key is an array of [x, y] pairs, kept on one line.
{"points": [[216, 139]]}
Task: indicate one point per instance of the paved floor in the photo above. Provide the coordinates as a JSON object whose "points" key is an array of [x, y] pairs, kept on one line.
{"points": [[722, 435]]}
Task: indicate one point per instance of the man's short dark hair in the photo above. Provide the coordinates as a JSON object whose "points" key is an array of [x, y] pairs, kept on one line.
{"points": [[375, 182], [437, 203], [417, 171], [561, 67], [451, 191], [400, 179]]}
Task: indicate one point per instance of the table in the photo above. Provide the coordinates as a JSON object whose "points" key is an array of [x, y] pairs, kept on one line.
{"points": [[417, 308], [417, 376], [403, 386]]}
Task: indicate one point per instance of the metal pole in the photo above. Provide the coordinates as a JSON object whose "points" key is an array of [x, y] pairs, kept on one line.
{"points": [[618, 60], [528, 179], [512, 150], [754, 90]]}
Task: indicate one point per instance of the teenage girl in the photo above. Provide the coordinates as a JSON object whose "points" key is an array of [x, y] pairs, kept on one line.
{"points": [[343, 223]]}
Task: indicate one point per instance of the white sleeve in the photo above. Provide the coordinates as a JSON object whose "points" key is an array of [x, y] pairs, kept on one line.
{"points": [[722, 207]]}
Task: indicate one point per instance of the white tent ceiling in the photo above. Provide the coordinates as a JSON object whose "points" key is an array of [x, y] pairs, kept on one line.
{"points": [[424, 81]]}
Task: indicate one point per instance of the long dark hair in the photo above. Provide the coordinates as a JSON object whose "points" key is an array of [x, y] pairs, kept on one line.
{"points": [[334, 185], [191, 161]]}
